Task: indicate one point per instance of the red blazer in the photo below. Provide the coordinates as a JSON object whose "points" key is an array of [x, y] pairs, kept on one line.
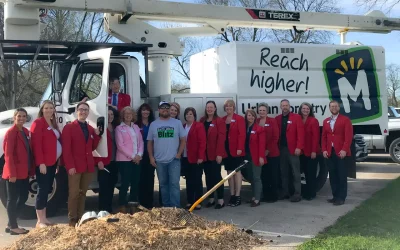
{"points": [[106, 160], [196, 143], [271, 136], [237, 134], [216, 136], [44, 143], [15, 155], [294, 131], [311, 129], [123, 100], [257, 144], [77, 153], [341, 136]]}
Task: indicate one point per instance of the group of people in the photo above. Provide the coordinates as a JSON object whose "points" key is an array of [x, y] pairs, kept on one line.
{"points": [[139, 144]]}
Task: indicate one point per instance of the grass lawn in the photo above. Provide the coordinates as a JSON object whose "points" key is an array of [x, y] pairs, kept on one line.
{"points": [[375, 224]]}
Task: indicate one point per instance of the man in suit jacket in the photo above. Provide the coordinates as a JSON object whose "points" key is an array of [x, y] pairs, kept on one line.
{"points": [[115, 98], [291, 130], [337, 135], [79, 139]]}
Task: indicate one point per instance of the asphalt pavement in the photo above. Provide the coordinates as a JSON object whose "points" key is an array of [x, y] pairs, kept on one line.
{"points": [[286, 224]]}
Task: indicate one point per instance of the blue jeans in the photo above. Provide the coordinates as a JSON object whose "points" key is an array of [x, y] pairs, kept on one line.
{"points": [[169, 175]]}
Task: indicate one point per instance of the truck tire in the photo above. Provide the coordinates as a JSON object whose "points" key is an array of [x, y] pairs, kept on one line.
{"points": [[57, 196], [394, 150]]}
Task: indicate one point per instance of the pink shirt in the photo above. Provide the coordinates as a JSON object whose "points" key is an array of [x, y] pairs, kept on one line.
{"points": [[129, 142]]}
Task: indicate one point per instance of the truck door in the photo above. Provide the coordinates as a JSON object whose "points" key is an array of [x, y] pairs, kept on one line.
{"points": [[88, 80]]}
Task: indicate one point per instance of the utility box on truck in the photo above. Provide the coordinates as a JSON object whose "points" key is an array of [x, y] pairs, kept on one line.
{"points": [[263, 72]]}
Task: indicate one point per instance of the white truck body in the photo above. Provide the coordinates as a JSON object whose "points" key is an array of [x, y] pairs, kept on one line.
{"points": [[264, 72]]}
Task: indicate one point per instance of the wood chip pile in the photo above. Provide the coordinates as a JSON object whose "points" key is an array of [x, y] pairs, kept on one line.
{"points": [[157, 229]]}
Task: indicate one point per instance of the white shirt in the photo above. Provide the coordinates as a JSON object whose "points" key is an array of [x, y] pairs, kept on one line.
{"points": [[187, 129], [59, 148], [332, 122], [134, 140]]}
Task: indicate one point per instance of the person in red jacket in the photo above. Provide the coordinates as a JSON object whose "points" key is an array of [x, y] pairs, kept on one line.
{"points": [[108, 170], [291, 130], [18, 165], [79, 140], [234, 146], [215, 152], [194, 155], [308, 160], [116, 99], [270, 170], [337, 136], [255, 154], [46, 151]]}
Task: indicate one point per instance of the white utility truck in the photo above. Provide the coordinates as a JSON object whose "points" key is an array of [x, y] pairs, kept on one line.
{"points": [[248, 73]]}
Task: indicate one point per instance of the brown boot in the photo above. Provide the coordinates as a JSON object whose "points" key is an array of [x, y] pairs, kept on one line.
{"points": [[122, 209], [72, 222]]}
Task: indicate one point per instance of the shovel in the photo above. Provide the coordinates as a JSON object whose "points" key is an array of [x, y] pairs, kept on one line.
{"points": [[187, 216]]}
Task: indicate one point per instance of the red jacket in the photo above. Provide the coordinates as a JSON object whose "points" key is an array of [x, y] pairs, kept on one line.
{"points": [[16, 156], [44, 143], [257, 144], [294, 131], [216, 136], [124, 100], [77, 153], [196, 143], [106, 160], [341, 136], [312, 135], [236, 135], [271, 136]]}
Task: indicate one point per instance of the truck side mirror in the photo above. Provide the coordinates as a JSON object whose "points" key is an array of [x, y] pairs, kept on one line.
{"points": [[57, 98], [55, 77], [100, 124]]}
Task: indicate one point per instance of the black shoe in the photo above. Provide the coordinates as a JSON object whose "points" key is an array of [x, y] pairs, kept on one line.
{"points": [[210, 204], [331, 200], [271, 201], [197, 207], [232, 200], [188, 206], [338, 203], [238, 201], [219, 206], [7, 230], [283, 197], [15, 233], [295, 198], [255, 204]]}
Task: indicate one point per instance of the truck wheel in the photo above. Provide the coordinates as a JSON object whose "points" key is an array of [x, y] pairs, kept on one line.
{"points": [[322, 174], [394, 150], [56, 199]]}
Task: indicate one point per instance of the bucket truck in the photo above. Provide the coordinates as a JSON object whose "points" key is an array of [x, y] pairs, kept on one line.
{"points": [[248, 73]]}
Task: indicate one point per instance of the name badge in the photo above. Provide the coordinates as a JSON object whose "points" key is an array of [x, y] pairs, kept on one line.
{"points": [[28, 137], [289, 122], [211, 125], [253, 132], [91, 136], [266, 125], [49, 128], [233, 120]]}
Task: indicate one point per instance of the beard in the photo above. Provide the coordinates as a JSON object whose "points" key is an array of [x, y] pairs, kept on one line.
{"points": [[164, 115]]}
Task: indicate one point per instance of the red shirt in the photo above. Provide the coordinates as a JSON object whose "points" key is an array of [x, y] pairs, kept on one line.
{"points": [[312, 135], [44, 143], [236, 134], [106, 160], [124, 100], [196, 143], [257, 144], [216, 136], [341, 136], [294, 132], [77, 152], [16, 156], [271, 136]]}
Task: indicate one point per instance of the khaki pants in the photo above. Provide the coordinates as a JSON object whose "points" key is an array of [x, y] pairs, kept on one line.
{"points": [[77, 185]]}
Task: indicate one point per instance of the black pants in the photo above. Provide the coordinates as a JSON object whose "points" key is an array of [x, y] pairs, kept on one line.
{"points": [[146, 183], [310, 171], [45, 185], [130, 176], [107, 182], [269, 178], [212, 170], [194, 182], [337, 176], [17, 194]]}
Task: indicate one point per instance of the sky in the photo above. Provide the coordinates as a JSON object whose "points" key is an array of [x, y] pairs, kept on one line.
{"points": [[389, 41]]}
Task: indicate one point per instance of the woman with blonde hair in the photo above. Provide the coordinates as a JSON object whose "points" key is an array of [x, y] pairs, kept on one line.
{"points": [[175, 110], [129, 154], [46, 151]]}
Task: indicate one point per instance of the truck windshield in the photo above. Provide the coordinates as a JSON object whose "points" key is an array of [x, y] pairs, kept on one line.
{"points": [[47, 94]]}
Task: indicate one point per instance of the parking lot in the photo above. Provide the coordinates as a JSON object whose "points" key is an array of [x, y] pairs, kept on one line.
{"points": [[286, 224]]}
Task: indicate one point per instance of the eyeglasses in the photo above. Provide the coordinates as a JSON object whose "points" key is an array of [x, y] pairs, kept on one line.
{"points": [[83, 110], [164, 107]]}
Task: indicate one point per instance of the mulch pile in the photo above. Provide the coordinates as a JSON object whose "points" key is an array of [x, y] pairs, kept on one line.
{"points": [[156, 229]]}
